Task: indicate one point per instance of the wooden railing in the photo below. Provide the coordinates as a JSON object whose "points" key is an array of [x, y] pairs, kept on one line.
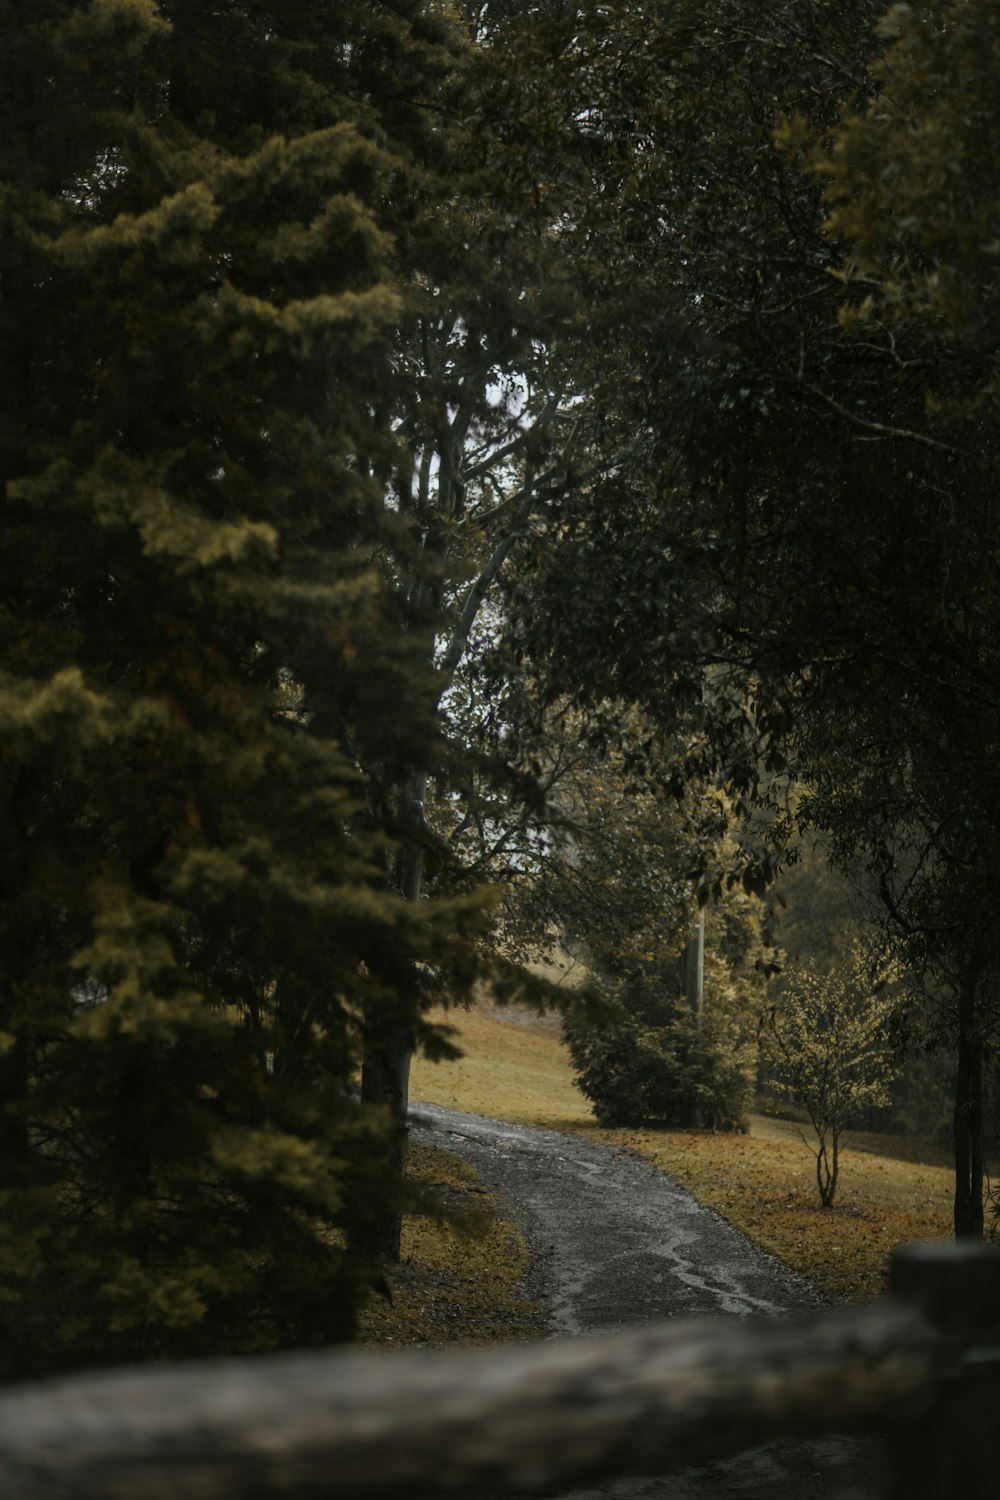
{"points": [[923, 1366]]}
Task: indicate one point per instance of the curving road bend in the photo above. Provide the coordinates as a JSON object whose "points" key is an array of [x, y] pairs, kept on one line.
{"points": [[616, 1243]]}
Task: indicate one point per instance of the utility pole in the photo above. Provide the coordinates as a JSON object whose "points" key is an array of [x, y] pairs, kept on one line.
{"points": [[694, 985], [694, 968]]}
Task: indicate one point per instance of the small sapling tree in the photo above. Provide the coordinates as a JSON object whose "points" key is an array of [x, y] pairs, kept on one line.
{"points": [[828, 1046]]}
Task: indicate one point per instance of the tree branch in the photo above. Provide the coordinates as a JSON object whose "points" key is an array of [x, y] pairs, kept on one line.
{"points": [[540, 424], [881, 429], [474, 600]]}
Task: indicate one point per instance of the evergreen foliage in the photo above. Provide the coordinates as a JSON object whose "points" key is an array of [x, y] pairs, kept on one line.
{"points": [[311, 318], [197, 307], [660, 1060], [483, 443]]}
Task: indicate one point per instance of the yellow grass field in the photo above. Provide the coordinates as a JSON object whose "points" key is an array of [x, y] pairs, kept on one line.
{"points": [[516, 1068]]}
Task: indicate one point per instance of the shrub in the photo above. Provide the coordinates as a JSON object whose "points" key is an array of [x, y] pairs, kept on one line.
{"points": [[659, 1062]]}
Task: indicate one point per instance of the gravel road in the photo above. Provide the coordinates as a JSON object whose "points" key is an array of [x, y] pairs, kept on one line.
{"points": [[616, 1244]]}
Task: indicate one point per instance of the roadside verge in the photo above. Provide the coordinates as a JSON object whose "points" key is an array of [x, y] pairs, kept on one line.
{"points": [[516, 1068]]}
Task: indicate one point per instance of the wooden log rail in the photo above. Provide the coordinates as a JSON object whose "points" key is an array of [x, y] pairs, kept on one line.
{"points": [[525, 1418]]}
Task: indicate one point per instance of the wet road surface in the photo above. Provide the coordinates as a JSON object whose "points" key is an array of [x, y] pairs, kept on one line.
{"points": [[616, 1243]]}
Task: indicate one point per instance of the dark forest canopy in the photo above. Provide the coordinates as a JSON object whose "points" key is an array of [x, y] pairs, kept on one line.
{"points": [[796, 546], [200, 304], [394, 397]]}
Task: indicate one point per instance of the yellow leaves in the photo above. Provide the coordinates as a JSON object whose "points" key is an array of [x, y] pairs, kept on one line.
{"points": [[27, 1220], [146, 1294], [120, 491], [321, 155], [62, 712], [256, 325], [895, 22], [852, 316], [909, 176], [793, 132], [274, 1157], [828, 1045], [168, 529], [193, 541], [210, 874], [131, 1011], [133, 954], [141, 14]]}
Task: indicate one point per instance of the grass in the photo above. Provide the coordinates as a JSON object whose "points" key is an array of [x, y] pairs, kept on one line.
{"points": [[456, 1283], [517, 1069], [514, 1068], [460, 1288], [767, 1188]]}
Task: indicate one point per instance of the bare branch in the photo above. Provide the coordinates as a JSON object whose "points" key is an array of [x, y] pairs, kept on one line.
{"points": [[882, 429], [540, 424]]}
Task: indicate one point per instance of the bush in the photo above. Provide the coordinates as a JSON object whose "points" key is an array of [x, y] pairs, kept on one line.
{"points": [[659, 1063]]}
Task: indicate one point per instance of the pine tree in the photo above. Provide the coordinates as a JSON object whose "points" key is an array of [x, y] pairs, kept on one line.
{"points": [[484, 444], [197, 303]]}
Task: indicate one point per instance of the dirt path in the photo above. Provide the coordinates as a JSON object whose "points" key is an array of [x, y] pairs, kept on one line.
{"points": [[617, 1243]]}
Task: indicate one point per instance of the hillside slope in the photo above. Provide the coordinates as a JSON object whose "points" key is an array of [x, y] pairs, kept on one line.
{"points": [[516, 1068]]}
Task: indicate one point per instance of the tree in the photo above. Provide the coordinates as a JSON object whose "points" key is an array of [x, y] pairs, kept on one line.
{"points": [[830, 1052], [677, 564], [483, 439], [663, 1058], [798, 541], [913, 194], [816, 913], [610, 880], [197, 311]]}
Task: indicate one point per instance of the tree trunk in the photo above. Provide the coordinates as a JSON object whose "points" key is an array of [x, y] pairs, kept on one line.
{"points": [[694, 968], [388, 1049], [968, 1119], [834, 1175], [828, 1169], [385, 1079], [388, 1046]]}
